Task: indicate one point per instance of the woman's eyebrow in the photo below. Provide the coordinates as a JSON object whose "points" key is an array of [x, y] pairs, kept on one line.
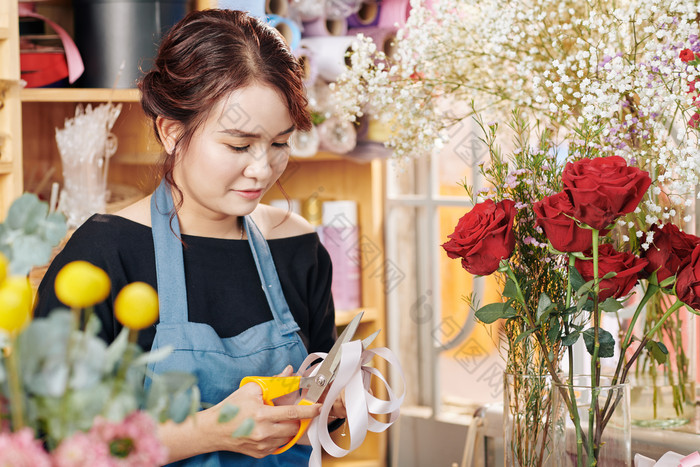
{"points": [[245, 134]]}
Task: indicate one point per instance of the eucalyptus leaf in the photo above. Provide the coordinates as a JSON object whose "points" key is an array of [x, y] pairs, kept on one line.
{"points": [[180, 407], [26, 252], [53, 228], [245, 428], [26, 213], [494, 311], [228, 412], [605, 340], [116, 349], [154, 356]]}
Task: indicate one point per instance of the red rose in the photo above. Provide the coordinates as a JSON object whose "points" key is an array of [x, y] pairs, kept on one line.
{"points": [[626, 265], [686, 55], [483, 237], [670, 249], [688, 280], [603, 188], [554, 215]]}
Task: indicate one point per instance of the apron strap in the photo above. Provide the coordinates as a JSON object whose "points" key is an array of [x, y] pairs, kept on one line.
{"points": [[269, 278], [170, 265]]}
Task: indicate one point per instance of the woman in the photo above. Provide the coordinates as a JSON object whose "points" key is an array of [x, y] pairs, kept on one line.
{"points": [[244, 288]]}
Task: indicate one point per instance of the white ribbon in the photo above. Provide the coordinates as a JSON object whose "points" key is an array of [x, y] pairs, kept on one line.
{"points": [[354, 375]]}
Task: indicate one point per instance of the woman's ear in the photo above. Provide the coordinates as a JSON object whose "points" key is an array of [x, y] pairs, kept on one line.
{"points": [[169, 132]]}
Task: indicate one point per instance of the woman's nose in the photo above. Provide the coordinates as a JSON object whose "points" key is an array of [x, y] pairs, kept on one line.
{"points": [[259, 166]]}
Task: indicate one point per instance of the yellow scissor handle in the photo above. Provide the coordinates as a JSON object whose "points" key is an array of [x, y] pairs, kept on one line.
{"points": [[274, 387], [303, 425]]}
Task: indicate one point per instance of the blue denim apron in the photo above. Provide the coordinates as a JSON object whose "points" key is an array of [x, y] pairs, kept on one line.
{"points": [[220, 364]]}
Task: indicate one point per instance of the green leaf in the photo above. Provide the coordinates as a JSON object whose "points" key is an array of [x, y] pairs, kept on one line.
{"points": [[609, 275], [543, 306], [28, 251], [611, 305], [244, 429], [576, 278], [509, 289], [570, 339], [494, 311], [26, 213], [554, 330], [657, 350], [523, 335], [668, 281], [54, 228], [228, 412], [605, 340]]}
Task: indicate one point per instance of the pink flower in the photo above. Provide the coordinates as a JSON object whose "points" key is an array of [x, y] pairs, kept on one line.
{"points": [[131, 442], [694, 120], [81, 450], [21, 449]]}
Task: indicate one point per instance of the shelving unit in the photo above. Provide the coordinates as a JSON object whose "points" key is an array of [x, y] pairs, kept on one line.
{"points": [[29, 120], [10, 125]]}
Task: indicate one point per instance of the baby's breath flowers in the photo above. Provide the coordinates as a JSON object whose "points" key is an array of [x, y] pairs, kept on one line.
{"points": [[609, 74]]}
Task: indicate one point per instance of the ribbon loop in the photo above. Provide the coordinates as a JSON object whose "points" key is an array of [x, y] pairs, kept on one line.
{"points": [[354, 376]]}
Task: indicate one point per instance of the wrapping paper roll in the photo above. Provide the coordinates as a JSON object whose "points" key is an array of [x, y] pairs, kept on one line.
{"points": [[367, 15], [383, 36], [330, 54], [322, 26], [307, 10], [337, 136], [276, 7], [305, 143], [254, 7], [309, 65], [394, 12], [342, 9], [288, 28]]}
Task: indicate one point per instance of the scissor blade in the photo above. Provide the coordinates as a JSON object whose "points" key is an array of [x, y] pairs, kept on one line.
{"points": [[369, 339], [326, 371]]}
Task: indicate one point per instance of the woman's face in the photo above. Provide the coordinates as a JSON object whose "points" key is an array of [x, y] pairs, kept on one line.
{"points": [[236, 155]]}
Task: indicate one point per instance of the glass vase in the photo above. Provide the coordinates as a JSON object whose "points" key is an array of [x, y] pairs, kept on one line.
{"points": [[599, 418], [661, 403], [527, 407]]}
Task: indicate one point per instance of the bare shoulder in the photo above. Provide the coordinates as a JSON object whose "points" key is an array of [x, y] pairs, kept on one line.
{"points": [[140, 211], [279, 223]]}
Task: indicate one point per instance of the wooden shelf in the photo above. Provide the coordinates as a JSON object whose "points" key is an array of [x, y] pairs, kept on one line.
{"points": [[79, 95], [4, 33], [343, 317]]}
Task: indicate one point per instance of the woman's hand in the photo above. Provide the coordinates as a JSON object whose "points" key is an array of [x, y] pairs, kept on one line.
{"points": [[273, 426]]}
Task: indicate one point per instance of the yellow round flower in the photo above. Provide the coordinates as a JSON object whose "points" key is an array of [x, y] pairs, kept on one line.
{"points": [[4, 266], [81, 284], [15, 304], [136, 306]]}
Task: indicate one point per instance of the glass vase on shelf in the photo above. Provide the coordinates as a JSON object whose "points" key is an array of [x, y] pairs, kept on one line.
{"points": [[598, 432], [663, 395], [527, 407]]}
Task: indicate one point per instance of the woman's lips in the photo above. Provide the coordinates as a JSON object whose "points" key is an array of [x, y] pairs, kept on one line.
{"points": [[249, 194]]}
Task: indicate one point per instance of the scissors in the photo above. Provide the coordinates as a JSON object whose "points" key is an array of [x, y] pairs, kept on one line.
{"points": [[276, 386]]}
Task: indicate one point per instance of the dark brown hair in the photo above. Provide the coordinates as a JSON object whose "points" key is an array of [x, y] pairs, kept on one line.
{"points": [[206, 56]]}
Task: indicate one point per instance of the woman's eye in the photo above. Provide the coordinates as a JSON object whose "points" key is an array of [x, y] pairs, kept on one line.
{"points": [[238, 148], [281, 145]]}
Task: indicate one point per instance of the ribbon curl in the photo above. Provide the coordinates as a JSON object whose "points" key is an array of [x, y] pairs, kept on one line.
{"points": [[354, 375]]}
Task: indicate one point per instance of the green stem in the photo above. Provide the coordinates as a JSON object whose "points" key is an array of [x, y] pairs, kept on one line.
{"points": [[16, 398], [595, 359], [572, 394]]}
